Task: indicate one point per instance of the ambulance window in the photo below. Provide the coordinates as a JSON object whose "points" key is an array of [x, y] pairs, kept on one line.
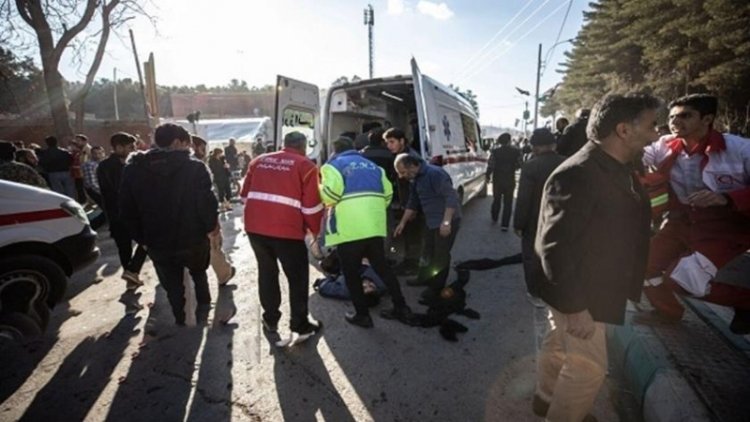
{"points": [[471, 136], [300, 121]]}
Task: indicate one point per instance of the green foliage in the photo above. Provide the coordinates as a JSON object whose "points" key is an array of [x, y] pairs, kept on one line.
{"points": [[666, 47], [21, 84], [469, 95]]}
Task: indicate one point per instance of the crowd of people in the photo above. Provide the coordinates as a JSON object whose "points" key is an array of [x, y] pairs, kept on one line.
{"points": [[588, 200]]}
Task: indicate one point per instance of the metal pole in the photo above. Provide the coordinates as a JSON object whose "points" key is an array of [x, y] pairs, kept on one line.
{"points": [[140, 79], [114, 93], [538, 76], [370, 22]]}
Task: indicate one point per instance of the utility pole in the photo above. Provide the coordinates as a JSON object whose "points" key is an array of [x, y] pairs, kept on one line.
{"points": [[370, 22], [538, 76], [114, 93], [140, 79]]}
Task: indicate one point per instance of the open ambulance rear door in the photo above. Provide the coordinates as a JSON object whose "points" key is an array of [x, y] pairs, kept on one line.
{"points": [[297, 109]]}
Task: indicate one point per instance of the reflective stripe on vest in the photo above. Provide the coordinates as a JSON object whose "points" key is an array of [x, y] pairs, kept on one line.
{"points": [[284, 200]]}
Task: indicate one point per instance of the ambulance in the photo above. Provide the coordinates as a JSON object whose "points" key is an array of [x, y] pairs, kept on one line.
{"points": [[44, 238], [440, 124]]}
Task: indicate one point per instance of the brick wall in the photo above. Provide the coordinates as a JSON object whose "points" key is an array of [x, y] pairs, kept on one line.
{"points": [[98, 131]]}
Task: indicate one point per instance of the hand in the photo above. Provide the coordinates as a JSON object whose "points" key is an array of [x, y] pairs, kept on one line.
{"points": [[399, 229], [518, 232], [581, 325], [706, 198], [445, 230]]}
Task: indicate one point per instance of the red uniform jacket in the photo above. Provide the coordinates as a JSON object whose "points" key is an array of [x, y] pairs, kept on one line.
{"points": [[281, 195]]}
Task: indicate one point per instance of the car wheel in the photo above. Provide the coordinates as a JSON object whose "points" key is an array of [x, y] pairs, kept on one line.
{"points": [[17, 326], [25, 276]]}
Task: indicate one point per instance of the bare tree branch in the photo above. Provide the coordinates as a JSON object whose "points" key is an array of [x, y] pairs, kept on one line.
{"points": [[106, 28], [69, 34]]}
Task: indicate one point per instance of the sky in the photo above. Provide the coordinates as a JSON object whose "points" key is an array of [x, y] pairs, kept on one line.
{"points": [[488, 46]]}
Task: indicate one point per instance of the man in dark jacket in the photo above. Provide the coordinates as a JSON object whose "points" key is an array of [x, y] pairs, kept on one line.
{"points": [[574, 136], [593, 244], [167, 204], [501, 169], [56, 163], [533, 175], [109, 173]]}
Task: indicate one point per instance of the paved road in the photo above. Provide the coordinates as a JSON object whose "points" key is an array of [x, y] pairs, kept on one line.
{"points": [[114, 356]]}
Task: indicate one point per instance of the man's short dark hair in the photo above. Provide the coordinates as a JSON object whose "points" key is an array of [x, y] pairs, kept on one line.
{"points": [[7, 151], [341, 144], [614, 109], [97, 147], [23, 154], [376, 137], [51, 141], [166, 133], [122, 139], [295, 140], [395, 133], [702, 103], [82, 136], [504, 138], [197, 140]]}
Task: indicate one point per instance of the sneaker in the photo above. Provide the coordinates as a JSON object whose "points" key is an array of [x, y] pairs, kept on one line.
{"points": [[133, 281], [364, 321], [305, 333], [741, 322]]}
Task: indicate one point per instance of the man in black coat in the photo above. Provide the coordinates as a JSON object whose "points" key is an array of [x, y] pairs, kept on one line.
{"points": [[533, 175], [501, 169], [574, 136], [167, 204], [109, 174], [593, 244]]}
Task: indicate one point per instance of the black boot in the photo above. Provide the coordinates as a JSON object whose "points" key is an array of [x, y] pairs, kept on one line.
{"points": [[364, 321]]}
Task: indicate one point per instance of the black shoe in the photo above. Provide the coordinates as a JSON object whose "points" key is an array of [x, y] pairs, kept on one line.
{"points": [[540, 408], [401, 313], [309, 329], [364, 321], [741, 322]]}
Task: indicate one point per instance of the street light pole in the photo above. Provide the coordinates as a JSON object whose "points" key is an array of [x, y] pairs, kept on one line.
{"points": [[370, 22], [538, 76]]}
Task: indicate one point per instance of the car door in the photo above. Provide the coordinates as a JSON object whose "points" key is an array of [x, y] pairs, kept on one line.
{"points": [[297, 109]]}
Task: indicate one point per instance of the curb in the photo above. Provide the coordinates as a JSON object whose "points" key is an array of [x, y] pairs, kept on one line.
{"points": [[663, 394]]}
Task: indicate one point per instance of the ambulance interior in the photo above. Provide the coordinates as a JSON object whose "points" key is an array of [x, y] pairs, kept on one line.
{"points": [[352, 111]]}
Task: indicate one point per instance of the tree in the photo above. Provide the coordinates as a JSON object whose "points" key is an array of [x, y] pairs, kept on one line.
{"points": [[21, 84], [68, 24], [469, 96]]}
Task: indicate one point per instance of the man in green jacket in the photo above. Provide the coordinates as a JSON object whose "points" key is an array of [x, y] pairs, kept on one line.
{"points": [[357, 192]]}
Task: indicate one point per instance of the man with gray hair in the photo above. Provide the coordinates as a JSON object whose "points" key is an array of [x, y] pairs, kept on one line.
{"points": [[592, 240], [282, 205]]}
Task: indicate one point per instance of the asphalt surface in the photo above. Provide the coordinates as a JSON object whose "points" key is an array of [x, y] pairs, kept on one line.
{"points": [[113, 355]]}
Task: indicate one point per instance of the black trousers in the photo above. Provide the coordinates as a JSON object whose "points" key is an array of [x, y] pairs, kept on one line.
{"points": [[502, 194], [292, 254], [170, 268], [437, 251], [350, 257], [130, 261], [532, 265], [223, 190]]}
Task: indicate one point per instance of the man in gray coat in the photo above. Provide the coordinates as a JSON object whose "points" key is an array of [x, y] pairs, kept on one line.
{"points": [[593, 243]]}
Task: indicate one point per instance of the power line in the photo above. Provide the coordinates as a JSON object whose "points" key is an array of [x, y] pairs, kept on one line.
{"points": [[510, 47], [468, 63], [462, 75], [557, 40]]}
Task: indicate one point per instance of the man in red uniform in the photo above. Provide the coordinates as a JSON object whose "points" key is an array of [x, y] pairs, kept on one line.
{"points": [[282, 205], [708, 223]]}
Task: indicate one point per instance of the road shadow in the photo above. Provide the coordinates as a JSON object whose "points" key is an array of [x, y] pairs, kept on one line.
{"points": [[213, 391], [83, 375], [158, 384], [304, 386]]}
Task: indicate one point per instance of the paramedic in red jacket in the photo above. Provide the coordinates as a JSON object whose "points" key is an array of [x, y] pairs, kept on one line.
{"points": [[282, 205], [708, 223]]}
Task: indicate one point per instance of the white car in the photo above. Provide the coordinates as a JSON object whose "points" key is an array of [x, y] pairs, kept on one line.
{"points": [[44, 238]]}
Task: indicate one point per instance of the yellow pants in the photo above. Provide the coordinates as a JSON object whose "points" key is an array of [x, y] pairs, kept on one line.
{"points": [[570, 370]]}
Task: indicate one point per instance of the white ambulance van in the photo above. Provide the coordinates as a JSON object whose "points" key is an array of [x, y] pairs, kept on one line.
{"points": [[441, 124], [44, 238]]}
